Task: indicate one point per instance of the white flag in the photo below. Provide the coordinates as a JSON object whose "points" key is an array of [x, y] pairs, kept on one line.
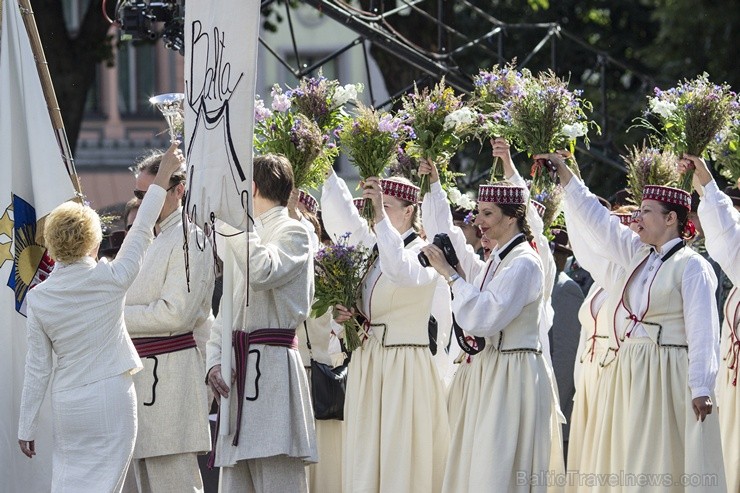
{"points": [[220, 66], [33, 180]]}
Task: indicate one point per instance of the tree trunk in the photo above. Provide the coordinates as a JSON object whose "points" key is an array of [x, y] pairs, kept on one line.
{"points": [[72, 60], [397, 74]]}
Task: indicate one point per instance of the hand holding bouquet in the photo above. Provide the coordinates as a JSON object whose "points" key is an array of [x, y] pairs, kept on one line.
{"points": [[371, 139], [441, 122], [339, 270], [690, 116]]}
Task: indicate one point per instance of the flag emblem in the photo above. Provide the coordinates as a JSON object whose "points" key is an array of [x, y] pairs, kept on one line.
{"points": [[31, 264]]}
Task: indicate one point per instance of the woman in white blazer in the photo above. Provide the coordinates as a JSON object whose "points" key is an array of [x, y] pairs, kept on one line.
{"points": [[78, 314]]}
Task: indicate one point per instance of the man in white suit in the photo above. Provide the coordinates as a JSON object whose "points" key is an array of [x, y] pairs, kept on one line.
{"points": [[168, 301]]}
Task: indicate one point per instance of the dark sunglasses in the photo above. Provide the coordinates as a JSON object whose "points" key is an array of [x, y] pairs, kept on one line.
{"points": [[139, 194]]}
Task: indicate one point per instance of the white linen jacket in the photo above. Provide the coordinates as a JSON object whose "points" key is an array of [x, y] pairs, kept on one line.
{"points": [[78, 313], [170, 393]]}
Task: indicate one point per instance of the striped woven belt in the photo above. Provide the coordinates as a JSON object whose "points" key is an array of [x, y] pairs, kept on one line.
{"points": [[153, 346], [242, 341]]}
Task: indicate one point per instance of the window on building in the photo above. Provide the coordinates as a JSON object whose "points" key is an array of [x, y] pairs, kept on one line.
{"points": [[136, 78]]}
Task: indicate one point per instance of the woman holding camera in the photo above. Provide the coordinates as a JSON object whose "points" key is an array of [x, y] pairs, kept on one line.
{"points": [[396, 434], [508, 387]]}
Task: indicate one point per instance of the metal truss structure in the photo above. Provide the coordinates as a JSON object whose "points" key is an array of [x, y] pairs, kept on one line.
{"points": [[374, 28]]}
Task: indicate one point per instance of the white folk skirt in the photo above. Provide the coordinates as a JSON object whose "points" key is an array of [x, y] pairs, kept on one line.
{"points": [[585, 404], [396, 427], [647, 434], [94, 434], [728, 401], [458, 391], [506, 437]]}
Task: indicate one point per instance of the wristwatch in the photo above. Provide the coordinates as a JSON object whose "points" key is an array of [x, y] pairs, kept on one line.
{"points": [[454, 277]]}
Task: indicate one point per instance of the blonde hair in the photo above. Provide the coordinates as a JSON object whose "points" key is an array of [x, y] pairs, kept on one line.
{"points": [[72, 231], [416, 214]]}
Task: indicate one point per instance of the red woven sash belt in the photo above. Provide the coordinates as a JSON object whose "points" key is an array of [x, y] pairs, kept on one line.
{"points": [[153, 346], [242, 341]]}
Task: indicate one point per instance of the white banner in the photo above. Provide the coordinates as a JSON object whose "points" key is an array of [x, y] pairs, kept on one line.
{"points": [[220, 64], [33, 180]]}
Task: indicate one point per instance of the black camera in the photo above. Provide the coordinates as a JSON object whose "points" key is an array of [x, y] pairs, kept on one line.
{"points": [[137, 16], [442, 241]]}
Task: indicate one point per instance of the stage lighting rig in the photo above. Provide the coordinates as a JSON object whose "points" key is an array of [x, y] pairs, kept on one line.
{"points": [[137, 19]]}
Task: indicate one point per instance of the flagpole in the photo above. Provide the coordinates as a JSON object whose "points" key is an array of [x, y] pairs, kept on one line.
{"points": [[49, 94], [227, 306]]}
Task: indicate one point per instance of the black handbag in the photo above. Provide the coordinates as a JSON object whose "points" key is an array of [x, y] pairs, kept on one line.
{"points": [[328, 386]]}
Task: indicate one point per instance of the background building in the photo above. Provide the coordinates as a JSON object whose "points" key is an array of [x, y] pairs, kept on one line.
{"points": [[120, 125]]}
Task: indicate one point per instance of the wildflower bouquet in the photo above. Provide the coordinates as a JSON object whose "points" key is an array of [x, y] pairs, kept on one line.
{"points": [[294, 135], [649, 166], [371, 139], [323, 100], [552, 199], [441, 122], [689, 116], [725, 151], [339, 270], [547, 117], [494, 91]]}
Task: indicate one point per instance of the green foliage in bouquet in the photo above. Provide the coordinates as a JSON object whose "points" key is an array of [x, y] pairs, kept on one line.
{"points": [[323, 100], [339, 270], [547, 117], [725, 150], [689, 116], [294, 135], [649, 166], [441, 123], [371, 139]]}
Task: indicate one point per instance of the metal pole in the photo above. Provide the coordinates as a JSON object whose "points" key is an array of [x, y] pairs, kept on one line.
{"points": [[227, 306]]}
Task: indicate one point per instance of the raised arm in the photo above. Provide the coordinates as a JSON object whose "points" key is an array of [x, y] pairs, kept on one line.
{"points": [[125, 267], [339, 214], [607, 235], [437, 218], [719, 220]]}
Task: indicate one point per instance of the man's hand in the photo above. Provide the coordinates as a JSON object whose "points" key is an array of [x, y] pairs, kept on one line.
{"points": [[28, 448], [217, 383], [172, 161], [702, 406]]}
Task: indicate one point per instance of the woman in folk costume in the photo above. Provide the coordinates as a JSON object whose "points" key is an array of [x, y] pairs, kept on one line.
{"points": [[721, 223], [396, 430], [590, 430], [325, 475], [437, 218], [667, 362], [507, 435], [77, 313]]}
